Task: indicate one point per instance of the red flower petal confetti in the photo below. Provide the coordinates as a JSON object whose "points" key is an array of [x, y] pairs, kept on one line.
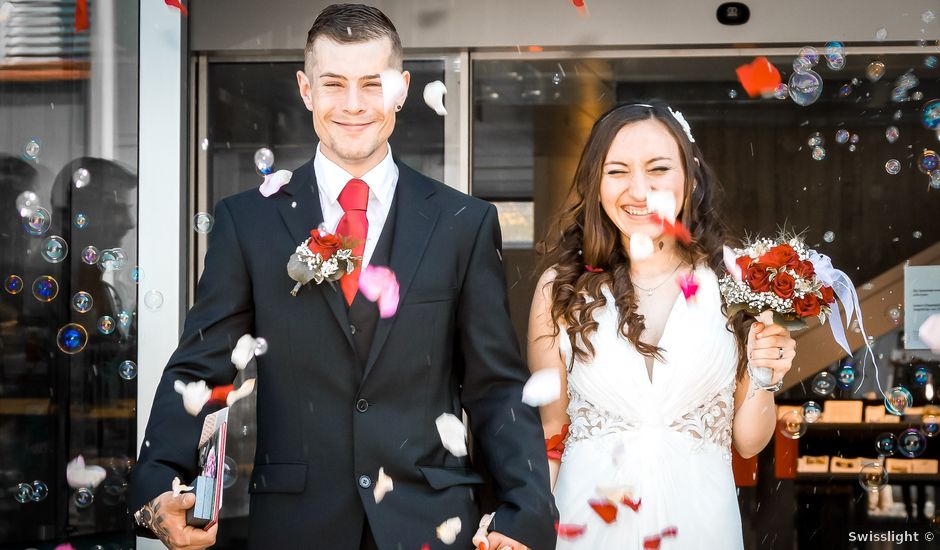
{"points": [[555, 445], [425, 546], [674, 228], [759, 77], [604, 508], [178, 5], [219, 394], [593, 269], [81, 15], [689, 285], [652, 542], [569, 531], [582, 9], [631, 504]]}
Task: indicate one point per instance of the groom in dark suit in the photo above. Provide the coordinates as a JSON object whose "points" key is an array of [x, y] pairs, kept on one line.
{"points": [[343, 392]]}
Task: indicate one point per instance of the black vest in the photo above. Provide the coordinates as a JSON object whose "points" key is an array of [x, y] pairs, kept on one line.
{"points": [[363, 314]]}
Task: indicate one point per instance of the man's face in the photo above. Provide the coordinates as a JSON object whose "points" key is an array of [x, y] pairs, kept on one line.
{"points": [[344, 92]]}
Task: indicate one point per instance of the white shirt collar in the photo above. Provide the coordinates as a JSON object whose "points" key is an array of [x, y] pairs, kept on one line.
{"points": [[332, 179]]}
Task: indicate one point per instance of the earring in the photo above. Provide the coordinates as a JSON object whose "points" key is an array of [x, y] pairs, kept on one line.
{"points": [[398, 107]]}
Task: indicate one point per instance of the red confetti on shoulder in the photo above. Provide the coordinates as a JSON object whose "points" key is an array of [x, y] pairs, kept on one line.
{"points": [[604, 508], [569, 531], [178, 5]]}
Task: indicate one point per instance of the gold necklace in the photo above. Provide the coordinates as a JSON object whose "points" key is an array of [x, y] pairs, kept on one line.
{"points": [[649, 291]]}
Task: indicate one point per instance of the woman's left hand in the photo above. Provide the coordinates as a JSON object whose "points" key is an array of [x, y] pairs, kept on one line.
{"points": [[771, 347]]}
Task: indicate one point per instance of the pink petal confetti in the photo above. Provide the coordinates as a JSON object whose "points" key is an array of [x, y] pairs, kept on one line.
{"points": [[479, 539], [195, 395], [273, 182], [929, 332], [731, 264], [393, 88], [449, 530], [641, 247], [542, 388], [453, 434], [65, 546], [434, 96], [178, 5], [79, 475], [689, 285], [570, 531], [383, 486], [379, 284]]}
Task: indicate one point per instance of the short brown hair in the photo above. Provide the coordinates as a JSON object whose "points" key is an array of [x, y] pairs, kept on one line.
{"points": [[352, 24]]}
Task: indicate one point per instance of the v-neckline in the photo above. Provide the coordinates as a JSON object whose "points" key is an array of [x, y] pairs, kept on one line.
{"points": [[650, 370]]}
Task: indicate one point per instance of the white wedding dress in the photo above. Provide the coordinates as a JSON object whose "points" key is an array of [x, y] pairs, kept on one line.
{"points": [[667, 441]]}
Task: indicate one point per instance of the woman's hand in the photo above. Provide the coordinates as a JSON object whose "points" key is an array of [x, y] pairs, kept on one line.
{"points": [[771, 347]]}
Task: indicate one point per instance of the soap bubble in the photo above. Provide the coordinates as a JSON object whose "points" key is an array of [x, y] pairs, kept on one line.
{"points": [[124, 319], [40, 491], [793, 425], [854, 138], [805, 87], [872, 477], [24, 493], [32, 149], [112, 259], [72, 338], [819, 153], [894, 314], [229, 472], [90, 255], [54, 249], [732, 94], [930, 62], [917, 234], [881, 34], [203, 222], [829, 236], [82, 302], [842, 136], [935, 179], [893, 167], [556, 79], [898, 399], [921, 375], [810, 54], [845, 90], [801, 65], [264, 160], [128, 370], [811, 411], [26, 202], [892, 134], [261, 346], [83, 497], [106, 324], [928, 161], [782, 91], [136, 274], [930, 425], [824, 383], [930, 114], [13, 284], [886, 444], [815, 140], [874, 71], [38, 221], [153, 300], [912, 443], [846, 376], [80, 221], [45, 288], [81, 178], [928, 17]]}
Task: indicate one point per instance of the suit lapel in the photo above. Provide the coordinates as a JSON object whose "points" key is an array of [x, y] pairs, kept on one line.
{"points": [[299, 205], [415, 219]]}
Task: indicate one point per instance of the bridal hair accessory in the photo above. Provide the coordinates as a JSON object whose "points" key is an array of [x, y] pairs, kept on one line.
{"points": [[682, 122]]}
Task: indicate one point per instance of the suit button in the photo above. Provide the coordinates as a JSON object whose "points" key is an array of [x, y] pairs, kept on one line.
{"points": [[365, 482], [362, 405], [352, 329]]}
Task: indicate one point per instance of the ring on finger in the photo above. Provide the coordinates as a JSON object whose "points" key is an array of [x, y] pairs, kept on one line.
{"points": [[781, 353]]}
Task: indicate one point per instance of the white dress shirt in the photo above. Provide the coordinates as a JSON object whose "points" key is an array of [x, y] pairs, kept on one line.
{"points": [[382, 180]]}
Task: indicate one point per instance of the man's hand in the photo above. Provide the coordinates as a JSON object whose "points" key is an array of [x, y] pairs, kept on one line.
{"points": [[166, 517], [502, 542]]}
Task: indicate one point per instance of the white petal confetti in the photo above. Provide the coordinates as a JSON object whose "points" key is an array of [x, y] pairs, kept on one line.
{"points": [[244, 351], [382, 486], [542, 388], [79, 475], [393, 88], [195, 395], [449, 530], [479, 538], [731, 265], [453, 434], [641, 247], [929, 332], [178, 487], [434, 96], [243, 391], [663, 204]]}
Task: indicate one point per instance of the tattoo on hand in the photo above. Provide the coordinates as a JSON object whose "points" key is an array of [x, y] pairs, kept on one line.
{"points": [[157, 525]]}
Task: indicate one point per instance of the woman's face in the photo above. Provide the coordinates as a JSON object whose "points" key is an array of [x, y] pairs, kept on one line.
{"points": [[643, 157]]}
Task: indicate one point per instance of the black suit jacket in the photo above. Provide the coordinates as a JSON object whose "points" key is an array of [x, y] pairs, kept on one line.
{"points": [[326, 424]]}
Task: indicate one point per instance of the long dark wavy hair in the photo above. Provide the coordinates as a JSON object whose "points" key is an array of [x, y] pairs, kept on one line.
{"points": [[582, 234]]}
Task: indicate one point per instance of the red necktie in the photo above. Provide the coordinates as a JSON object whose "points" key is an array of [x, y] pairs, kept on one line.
{"points": [[355, 225]]}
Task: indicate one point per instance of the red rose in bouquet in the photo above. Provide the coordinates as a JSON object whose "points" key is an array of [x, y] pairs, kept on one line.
{"points": [[743, 262], [807, 306], [325, 245], [781, 256], [828, 296], [757, 277], [783, 285], [805, 269]]}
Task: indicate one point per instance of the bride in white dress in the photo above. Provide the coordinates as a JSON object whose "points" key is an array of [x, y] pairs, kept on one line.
{"points": [[656, 392]]}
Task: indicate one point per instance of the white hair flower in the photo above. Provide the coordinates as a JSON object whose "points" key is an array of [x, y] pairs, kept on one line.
{"points": [[682, 122]]}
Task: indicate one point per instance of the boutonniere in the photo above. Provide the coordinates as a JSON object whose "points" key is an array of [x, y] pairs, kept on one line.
{"points": [[322, 257]]}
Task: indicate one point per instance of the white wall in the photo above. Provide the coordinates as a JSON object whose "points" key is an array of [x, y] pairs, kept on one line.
{"points": [[250, 25]]}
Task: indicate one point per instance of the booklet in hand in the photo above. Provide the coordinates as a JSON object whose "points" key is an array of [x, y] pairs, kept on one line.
{"points": [[208, 485]]}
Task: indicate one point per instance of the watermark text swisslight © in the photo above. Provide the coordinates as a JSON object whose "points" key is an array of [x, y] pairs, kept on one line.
{"points": [[896, 537]]}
